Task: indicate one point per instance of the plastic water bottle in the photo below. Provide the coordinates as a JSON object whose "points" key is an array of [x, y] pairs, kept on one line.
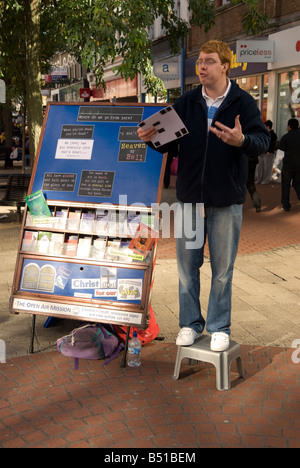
{"points": [[134, 351]]}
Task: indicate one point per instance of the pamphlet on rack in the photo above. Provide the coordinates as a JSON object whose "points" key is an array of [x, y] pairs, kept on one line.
{"points": [[144, 240], [168, 124], [38, 208], [30, 239]]}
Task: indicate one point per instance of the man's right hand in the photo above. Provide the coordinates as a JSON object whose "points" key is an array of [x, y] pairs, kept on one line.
{"points": [[147, 135]]}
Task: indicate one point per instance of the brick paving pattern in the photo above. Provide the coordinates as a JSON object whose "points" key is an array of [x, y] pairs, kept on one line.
{"points": [[44, 402]]}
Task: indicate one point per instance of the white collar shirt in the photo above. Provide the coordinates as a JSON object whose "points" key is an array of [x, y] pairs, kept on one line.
{"points": [[214, 104]]}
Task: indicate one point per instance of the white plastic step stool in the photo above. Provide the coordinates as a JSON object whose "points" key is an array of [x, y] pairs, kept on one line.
{"points": [[200, 351]]}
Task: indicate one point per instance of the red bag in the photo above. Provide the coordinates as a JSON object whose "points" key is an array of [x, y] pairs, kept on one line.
{"points": [[174, 166], [145, 336]]}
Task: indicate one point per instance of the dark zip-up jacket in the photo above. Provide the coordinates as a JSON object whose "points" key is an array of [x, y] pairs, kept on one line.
{"points": [[290, 144], [273, 141], [209, 170]]}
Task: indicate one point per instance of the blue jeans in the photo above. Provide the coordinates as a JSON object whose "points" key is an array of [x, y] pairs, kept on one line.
{"points": [[222, 229]]}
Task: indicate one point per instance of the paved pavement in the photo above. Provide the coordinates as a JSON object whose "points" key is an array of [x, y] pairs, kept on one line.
{"points": [[46, 403]]}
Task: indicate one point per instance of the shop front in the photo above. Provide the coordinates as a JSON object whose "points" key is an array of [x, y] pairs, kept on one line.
{"points": [[285, 73], [67, 93], [288, 98], [118, 90], [169, 71], [253, 78]]}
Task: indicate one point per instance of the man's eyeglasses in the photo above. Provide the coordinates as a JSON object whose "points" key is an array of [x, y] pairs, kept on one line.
{"points": [[206, 63]]}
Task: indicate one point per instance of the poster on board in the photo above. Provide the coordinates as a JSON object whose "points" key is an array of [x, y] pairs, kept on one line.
{"points": [[92, 153]]}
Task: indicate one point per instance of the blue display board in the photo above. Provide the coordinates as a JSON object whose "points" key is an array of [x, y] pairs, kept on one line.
{"points": [[91, 153]]}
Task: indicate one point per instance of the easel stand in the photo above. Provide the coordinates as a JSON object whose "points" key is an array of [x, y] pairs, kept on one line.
{"points": [[123, 364], [31, 349], [88, 241]]}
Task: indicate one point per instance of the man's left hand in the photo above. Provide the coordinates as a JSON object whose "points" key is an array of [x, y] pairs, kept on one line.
{"points": [[231, 136]]}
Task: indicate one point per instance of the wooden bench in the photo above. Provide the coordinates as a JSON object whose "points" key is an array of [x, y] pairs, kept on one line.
{"points": [[15, 191]]}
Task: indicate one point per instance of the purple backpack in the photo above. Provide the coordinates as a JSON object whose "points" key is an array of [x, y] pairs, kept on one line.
{"points": [[90, 342]]}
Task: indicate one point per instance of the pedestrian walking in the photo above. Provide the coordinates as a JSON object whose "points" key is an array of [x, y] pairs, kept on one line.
{"points": [[256, 200], [290, 174], [265, 161]]}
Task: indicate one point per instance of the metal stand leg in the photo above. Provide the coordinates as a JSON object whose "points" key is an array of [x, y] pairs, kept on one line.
{"points": [[31, 350], [123, 364]]}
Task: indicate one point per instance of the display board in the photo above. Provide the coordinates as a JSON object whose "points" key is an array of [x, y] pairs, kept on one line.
{"points": [[89, 259], [91, 153]]}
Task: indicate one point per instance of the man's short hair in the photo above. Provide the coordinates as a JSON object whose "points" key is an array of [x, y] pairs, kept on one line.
{"points": [[293, 124], [269, 123], [219, 47]]}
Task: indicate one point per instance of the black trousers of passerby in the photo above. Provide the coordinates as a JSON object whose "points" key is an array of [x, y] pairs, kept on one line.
{"points": [[256, 201], [289, 177]]}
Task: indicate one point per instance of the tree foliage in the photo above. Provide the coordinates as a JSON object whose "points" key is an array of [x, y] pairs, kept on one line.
{"points": [[253, 21], [118, 32], [96, 32]]}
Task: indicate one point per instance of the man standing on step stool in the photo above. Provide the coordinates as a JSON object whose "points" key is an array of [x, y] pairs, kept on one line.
{"points": [[225, 129]]}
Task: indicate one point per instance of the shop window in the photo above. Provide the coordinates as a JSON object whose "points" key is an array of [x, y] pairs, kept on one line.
{"points": [[251, 84], [258, 87], [288, 100]]}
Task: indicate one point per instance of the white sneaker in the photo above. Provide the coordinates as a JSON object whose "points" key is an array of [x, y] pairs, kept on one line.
{"points": [[219, 341], [187, 336]]}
